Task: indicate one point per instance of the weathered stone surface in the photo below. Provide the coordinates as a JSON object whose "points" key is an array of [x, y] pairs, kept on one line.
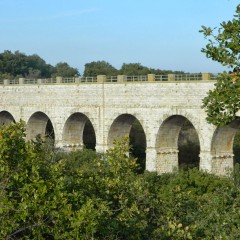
{"points": [[151, 103]]}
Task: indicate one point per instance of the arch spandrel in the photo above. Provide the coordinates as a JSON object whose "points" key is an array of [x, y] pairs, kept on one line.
{"points": [[79, 131], [171, 125], [39, 124], [168, 144], [223, 137], [121, 126], [222, 147], [129, 125]]}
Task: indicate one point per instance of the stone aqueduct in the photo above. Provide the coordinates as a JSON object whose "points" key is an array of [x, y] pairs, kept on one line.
{"points": [[98, 110]]}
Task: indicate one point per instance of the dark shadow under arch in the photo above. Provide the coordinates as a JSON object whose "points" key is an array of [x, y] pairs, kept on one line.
{"points": [[223, 137], [236, 147], [40, 124], [49, 132], [6, 118], [78, 132], [188, 146], [137, 140]]}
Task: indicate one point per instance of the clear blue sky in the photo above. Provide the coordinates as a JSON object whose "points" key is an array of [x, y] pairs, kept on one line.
{"points": [[156, 33]]}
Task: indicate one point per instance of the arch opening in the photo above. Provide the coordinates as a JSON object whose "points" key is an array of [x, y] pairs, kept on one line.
{"points": [[128, 125], [225, 147], [39, 124], [6, 118], [79, 132], [177, 144]]}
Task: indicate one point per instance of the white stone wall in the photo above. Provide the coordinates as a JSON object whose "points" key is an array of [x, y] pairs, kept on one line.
{"points": [[150, 102]]}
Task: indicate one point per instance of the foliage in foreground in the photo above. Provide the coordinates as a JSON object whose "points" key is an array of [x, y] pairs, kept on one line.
{"points": [[222, 102], [86, 195]]}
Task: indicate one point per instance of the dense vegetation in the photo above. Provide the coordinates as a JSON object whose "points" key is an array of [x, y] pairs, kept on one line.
{"points": [[17, 64], [47, 194]]}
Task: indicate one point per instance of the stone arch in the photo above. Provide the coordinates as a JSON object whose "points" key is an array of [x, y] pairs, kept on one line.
{"points": [[222, 147], [39, 124], [173, 130], [6, 118], [129, 125], [78, 131]]}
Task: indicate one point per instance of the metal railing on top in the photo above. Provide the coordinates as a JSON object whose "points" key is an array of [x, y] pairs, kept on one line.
{"points": [[161, 78], [14, 81], [88, 79], [68, 80], [113, 79], [188, 77], [140, 78], [30, 81], [48, 81]]}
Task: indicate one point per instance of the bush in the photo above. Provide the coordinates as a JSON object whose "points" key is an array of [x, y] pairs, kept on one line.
{"points": [[45, 194]]}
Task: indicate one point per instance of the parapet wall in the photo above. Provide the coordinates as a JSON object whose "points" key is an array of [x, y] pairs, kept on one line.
{"points": [[119, 78]]}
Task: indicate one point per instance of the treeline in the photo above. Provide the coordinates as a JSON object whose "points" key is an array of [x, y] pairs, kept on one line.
{"points": [[46, 194], [17, 64], [104, 68]]}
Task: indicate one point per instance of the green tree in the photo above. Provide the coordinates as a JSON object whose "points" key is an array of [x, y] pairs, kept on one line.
{"points": [[164, 72], [106, 196], [13, 63], [30, 186], [134, 69], [64, 70], [18, 64], [222, 103], [93, 69], [37, 65], [45, 194]]}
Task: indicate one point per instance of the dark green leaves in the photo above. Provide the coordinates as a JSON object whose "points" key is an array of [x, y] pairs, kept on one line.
{"points": [[84, 195], [222, 103], [224, 46]]}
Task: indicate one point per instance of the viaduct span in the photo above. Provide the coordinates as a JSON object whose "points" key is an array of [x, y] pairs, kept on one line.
{"points": [[95, 111]]}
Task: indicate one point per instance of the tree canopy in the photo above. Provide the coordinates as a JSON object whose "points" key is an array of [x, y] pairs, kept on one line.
{"points": [[64, 70], [47, 194], [223, 46], [99, 68], [17, 64], [134, 69], [105, 68]]}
